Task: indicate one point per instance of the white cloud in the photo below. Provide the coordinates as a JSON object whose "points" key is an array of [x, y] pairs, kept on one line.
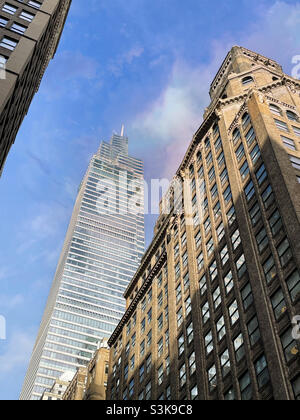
{"points": [[116, 66], [17, 352], [169, 123]]}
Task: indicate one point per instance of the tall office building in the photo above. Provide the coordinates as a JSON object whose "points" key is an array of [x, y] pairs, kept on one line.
{"points": [[102, 250], [211, 310], [29, 35]]}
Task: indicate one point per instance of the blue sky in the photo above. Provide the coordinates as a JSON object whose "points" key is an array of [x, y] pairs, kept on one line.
{"points": [[147, 64]]}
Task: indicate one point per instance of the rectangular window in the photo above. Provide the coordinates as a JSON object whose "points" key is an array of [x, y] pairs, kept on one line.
{"points": [[278, 303], [208, 339], [244, 170], [240, 152], [289, 143], [281, 125], [26, 16], [160, 347], [247, 296], [235, 239], [192, 363], [180, 343], [227, 195], [221, 331], [255, 154], [203, 285], [213, 270], [296, 131], [231, 216], [205, 312], [262, 373], [188, 306], [16, 27], [245, 387], [261, 174], [249, 191], [293, 284], [224, 177], [220, 231], [224, 255], [275, 222], [221, 159], [289, 345], [198, 239], [262, 240], [160, 375], [228, 282], [253, 331], [269, 269], [255, 214], [148, 391], [268, 197], [284, 252], [212, 378], [190, 333], [241, 266], [3, 21], [239, 348], [8, 43], [233, 312], [250, 136], [217, 297], [200, 261], [179, 316], [8, 8], [295, 162]]}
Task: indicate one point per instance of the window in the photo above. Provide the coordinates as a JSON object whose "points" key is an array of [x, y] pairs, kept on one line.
{"points": [[245, 387], [233, 312], [289, 345], [225, 363], [148, 363], [292, 116], [293, 284], [143, 325], [246, 80], [236, 135], [218, 144], [261, 174], [224, 176], [221, 159], [213, 270], [149, 316], [253, 330], [212, 377], [8, 43], [208, 339], [228, 282], [275, 222], [296, 131], [132, 362], [192, 363], [205, 312], [160, 322], [16, 27], [235, 239], [194, 393], [262, 373], [249, 191], [287, 142], [296, 387], [275, 110], [268, 196], [160, 299], [207, 226], [281, 125], [255, 214], [179, 317], [284, 252], [269, 269], [250, 136], [35, 4], [149, 338], [160, 347], [245, 120], [167, 364], [177, 271], [211, 174], [247, 296], [202, 285], [200, 261], [142, 373], [217, 297], [185, 259], [207, 143], [209, 159], [148, 391], [215, 129], [295, 162], [188, 306], [26, 16], [255, 154], [220, 232], [239, 348], [262, 240], [180, 343], [244, 170], [198, 239], [190, 333], [182, 375], [278, 303], [240, 152], [241, 266], [214, 192], [186, 281], [221, 330], [8, 8], [231, 216], [160, 374], [210, 247], [3, 21], [227, 195], [142, 348], [229, 395], [224, 255]]}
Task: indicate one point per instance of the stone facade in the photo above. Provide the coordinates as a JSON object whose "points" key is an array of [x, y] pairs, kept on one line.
{"points": [[210, 311]]}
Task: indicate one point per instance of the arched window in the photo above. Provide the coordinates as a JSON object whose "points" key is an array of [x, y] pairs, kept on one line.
{"points": [[245, 119], [275, 109], [236, 135], [292, 116], [247, 80], [215, 129]]}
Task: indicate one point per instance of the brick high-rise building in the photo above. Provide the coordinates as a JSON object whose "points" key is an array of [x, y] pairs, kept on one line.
{"points": [[210, 310], [29, 35]]}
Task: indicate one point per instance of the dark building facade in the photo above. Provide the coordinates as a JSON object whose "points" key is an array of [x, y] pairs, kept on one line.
{"points": [[211, 310], [29, 34]]}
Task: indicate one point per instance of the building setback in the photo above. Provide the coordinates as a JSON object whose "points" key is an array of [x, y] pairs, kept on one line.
{"points": [[102, 251], [29, 35], [210, 310]]}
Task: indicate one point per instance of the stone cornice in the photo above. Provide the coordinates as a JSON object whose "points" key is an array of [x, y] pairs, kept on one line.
{"points": [[141, 292]]}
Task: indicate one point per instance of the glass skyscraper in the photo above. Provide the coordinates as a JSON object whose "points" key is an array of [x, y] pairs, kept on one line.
{"points": [[102, 250]]}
